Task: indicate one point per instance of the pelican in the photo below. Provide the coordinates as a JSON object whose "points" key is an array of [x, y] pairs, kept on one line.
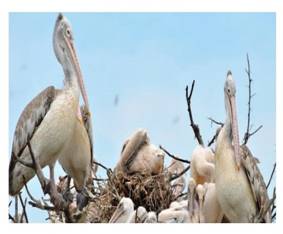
{"points": [[240, 188], [151, 217], [138, 155], [202, 164], [210, 207], [175, 168], [53, 123], [176, 213], [124, 211], [139, 216]]}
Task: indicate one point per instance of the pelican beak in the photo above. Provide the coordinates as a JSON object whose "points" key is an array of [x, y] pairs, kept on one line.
{"points": [[116, 215], [76, 64], [235, 132]]}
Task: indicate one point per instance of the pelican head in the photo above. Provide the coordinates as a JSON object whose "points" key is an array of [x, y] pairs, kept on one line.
{"points": [[231, 121], [63, 44], [141, 214], [151, 217], [123, 212]]}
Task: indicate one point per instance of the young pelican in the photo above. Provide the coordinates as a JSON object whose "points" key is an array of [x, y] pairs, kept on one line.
{"points": [[175, 168], [139, 216], [151, 217], [138, 155], [240, 188], [53, 124], [124, 211], [202, 165]]}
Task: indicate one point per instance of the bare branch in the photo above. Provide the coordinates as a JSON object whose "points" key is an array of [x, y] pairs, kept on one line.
{"points": [[216, 122], [24, 209], [173, 156], [12, 218], [214, 137], [272, 173], [248, 134], [108, 170], [181, 173], [193, 125]]}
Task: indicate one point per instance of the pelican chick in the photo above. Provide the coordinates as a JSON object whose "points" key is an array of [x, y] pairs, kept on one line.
{"points": [[139, 216], [175, 168], [151, 217], [124, 211], [202, 164], [138, 155]]}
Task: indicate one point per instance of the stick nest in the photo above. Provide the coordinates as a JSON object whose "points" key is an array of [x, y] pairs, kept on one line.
{"points": [[153, 192]]}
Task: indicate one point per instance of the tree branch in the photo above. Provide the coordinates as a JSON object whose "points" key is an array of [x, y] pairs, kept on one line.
{"points": [[193, 125], [173, 156], [181, 173], [24, 209], [248, 134], [272, 173]]}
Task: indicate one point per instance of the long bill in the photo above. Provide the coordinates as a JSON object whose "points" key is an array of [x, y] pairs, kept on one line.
{"points": [[235, 132], [78, 71]]}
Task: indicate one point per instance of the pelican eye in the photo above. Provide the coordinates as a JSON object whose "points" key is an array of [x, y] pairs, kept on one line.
{"points": [[68, 32]]}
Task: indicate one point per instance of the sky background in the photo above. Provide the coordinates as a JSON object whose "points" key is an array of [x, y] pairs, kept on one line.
{"points": [[136, 67]]}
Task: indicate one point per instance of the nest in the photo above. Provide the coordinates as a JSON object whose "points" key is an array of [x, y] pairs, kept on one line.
{"points": [[153, 192]]}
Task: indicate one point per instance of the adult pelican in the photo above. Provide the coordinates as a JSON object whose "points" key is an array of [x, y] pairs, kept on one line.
{"points": [[138, 155], [52, 123], [240, 188]]}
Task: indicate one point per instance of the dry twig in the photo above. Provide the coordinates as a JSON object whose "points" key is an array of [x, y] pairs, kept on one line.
{"points": [[193, 125]]}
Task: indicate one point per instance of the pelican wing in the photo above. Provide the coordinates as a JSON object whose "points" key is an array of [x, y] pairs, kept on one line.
{"points": [[131, 147], [257, 183], [88, 126], [30, 119]]}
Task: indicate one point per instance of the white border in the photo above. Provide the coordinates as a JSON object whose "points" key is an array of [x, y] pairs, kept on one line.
{"points": [[134, 6]]}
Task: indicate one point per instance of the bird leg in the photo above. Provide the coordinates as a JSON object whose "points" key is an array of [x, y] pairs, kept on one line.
{"points": [[82, 198], [51, 188]]}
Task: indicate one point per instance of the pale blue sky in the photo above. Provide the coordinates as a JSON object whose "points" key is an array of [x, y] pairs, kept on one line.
{"points": [[147, 59]]}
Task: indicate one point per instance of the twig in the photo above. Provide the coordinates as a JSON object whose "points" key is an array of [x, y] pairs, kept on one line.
{"points": [[193, 125], [10, 203], [181, 173], [16, 210], [37, 168], [42, 207], [175, 157], [214, 137], [272, 173], [104, 167], [216, 122], [12, 218], [24, 208], [248, 134]]}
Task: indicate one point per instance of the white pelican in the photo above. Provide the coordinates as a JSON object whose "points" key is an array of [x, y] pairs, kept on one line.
{"points": [[175, 168], [124, 211], [202, 164], [211, 209], [138, 155], [240, 188], [176, 213], [151, 217], [139, 216], [53, 124]]}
